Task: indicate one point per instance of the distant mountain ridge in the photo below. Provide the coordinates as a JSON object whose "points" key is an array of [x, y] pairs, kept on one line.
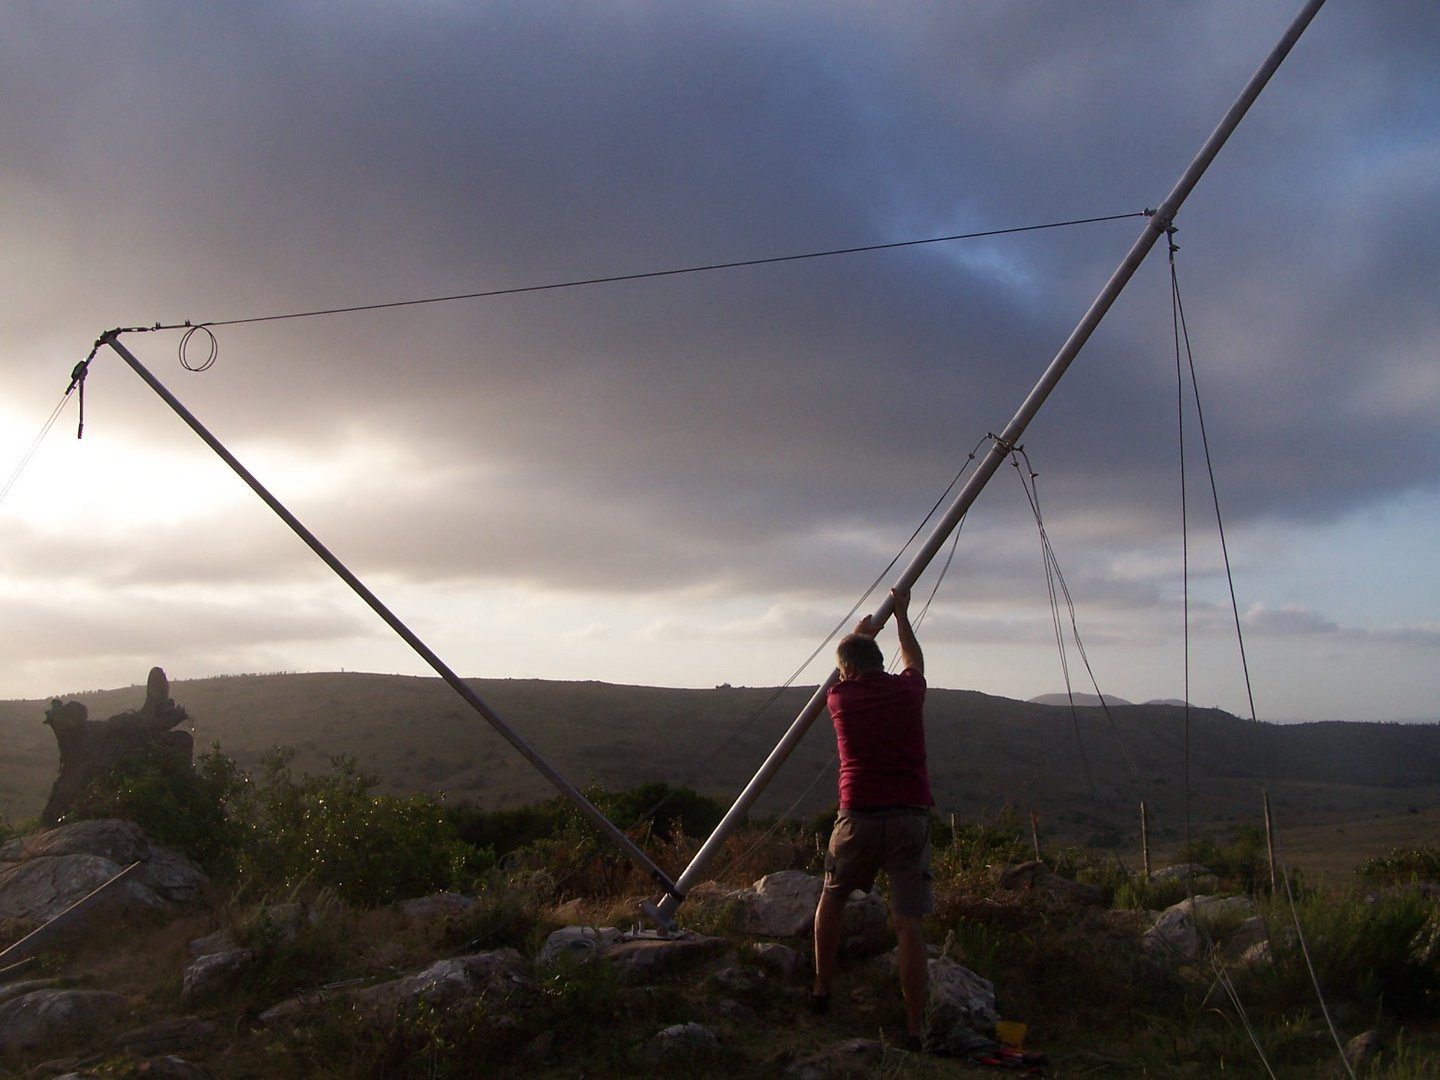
{"points": [[1080, 770], [1087, 700], [1093, 700]]}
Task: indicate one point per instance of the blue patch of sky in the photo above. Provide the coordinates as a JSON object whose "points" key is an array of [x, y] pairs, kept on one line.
{"points": [[1374, 568]]}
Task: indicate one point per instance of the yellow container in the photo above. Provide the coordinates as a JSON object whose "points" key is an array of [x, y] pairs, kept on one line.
{"points": [[1010, 1033]]}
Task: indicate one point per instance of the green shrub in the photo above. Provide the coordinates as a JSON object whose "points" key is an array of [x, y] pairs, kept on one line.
{"points": [[980, 846], [1242, 860], [1403, 865], [1105, 871], [295, 948], [178, 804], [1407, 1061], [499, 832], [655, 809], [1372, 952], [661, 809], [1137, 894], [334, 832], [500, 918]]}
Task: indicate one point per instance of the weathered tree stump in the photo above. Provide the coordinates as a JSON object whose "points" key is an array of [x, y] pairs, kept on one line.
{"points": [[91, 748]]}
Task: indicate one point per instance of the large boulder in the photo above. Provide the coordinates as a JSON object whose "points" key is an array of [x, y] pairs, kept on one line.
{"points": [[215, 973], [443, 984], [1191, 875], [44, 874], [642, 956], [634, 955], [782, 905], [683, 1046], [578, 943], [961, 1004], [42, 1015], [1179, 931], [1034, 876]]}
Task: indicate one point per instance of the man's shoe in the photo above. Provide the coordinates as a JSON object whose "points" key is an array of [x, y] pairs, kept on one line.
{"points": [[819, 1004]]}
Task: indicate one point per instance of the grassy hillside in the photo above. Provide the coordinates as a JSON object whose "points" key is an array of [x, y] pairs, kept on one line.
{"points": [[1340, 792]]}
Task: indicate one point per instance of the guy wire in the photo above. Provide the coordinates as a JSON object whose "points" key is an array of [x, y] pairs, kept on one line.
{"points": [[191, 325]]}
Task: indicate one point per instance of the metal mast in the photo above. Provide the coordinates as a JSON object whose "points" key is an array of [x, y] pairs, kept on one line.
{"points": [[599, 820], [1158, 224]]}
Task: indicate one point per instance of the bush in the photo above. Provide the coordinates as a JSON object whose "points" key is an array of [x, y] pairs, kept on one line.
{"points": [[661, 809], [1403, 865], [332, 831], [178, 804], [980, 846], [1372, 952], [1137, 894], [499, 832], [1243, 860], [654, 809]]}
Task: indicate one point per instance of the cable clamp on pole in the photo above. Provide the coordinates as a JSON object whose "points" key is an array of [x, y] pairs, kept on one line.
{"points": [[1004, 445], [77, 381], [77, 377]]}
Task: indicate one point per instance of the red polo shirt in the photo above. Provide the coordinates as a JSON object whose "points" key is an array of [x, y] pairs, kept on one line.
{"points": [[880, 733]]}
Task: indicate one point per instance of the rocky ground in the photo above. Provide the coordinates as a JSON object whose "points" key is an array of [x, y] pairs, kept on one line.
{"points": [[718, 1001]]}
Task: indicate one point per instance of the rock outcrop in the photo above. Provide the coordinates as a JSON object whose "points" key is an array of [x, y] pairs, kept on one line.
{"points": [[782, 905], [43, 874]]}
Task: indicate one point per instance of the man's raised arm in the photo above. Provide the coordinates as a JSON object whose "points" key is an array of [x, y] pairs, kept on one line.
{"points": [[910, 654]]}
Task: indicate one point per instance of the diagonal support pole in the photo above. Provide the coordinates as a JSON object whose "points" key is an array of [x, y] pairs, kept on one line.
{"points": [[1158, 224], [599, 820]]}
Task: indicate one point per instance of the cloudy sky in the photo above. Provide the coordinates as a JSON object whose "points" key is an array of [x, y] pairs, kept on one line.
{"points": [[689, 480]]}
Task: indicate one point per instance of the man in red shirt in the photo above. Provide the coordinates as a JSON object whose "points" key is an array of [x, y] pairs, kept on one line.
{"points": [[884, 819]]}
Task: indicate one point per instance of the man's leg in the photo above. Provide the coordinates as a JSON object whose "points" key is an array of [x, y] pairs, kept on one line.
{"points": [[829, 925], [914, 970]]}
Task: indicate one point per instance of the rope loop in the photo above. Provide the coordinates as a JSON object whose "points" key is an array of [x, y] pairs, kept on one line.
{"points": [[212, 353]]}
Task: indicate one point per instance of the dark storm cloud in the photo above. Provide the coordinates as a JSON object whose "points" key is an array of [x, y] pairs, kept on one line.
{"points": [[220, 163]]}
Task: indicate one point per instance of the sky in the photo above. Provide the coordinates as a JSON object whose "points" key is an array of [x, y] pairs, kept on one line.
{"points": [[693, 479]]}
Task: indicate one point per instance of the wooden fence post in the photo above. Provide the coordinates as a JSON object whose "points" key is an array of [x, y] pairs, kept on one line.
{"points": [[1145, 839], [1270, 841]]}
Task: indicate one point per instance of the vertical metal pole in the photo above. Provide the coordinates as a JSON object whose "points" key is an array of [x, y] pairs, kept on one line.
{"points": [[599, 820], [1158, 224]]}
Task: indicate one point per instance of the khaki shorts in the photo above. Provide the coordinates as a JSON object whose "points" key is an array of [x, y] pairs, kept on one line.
{"points": [[897, 841]]}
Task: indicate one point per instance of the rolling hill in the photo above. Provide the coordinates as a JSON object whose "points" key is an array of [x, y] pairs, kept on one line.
{"points": [[1339, 791]]}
